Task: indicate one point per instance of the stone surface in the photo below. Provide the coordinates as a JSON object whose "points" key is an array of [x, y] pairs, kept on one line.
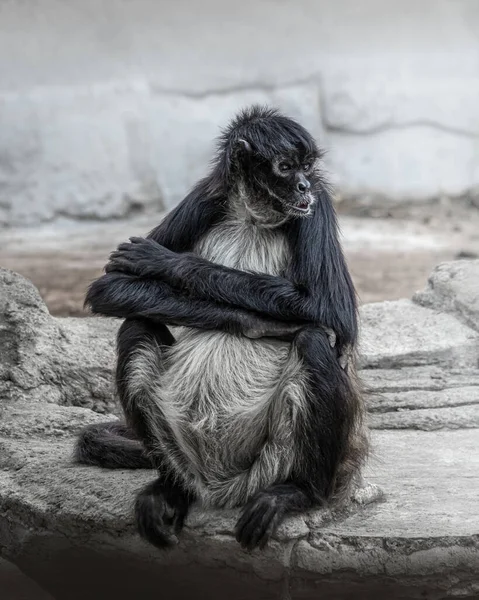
{"points": [[411, 532], [403, 334], [122, 118], [52, 360], [453, 287]]}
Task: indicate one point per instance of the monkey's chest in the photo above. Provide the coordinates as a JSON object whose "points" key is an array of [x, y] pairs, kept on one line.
{"points": [[232, 375], [218, 386], [244, 246]]}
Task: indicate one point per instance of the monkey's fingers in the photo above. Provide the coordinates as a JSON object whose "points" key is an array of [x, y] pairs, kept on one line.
{"points": [[119, 263], [152, 520], [258, 521], [331, 336], [282, 331], [137, 240], [179, 520]]}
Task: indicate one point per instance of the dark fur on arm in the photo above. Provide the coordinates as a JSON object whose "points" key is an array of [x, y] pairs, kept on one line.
{"points": [[317, 287], [120, 295], [188, 222]]}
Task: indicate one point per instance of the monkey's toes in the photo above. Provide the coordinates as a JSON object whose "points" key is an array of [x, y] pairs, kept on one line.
{"points": [[155, 520], [257, 523]]}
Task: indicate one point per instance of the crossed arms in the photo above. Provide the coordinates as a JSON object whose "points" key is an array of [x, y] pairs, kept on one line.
{"points": [[146, 280]]}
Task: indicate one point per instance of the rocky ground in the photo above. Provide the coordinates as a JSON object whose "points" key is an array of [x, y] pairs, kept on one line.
{"points": [[390, 255], [411, 534]]}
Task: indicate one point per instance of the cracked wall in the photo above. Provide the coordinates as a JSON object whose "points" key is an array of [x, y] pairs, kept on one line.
{"points": [[107, 109]]}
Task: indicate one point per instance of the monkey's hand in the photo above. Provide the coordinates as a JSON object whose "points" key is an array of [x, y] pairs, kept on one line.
{"points": [[275, 329], [142, 257], [344, 356]]}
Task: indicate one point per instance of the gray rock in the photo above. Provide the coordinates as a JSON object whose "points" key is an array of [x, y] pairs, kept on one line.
{"points": [[410, 532], [454, 287], [423, 399], [377, 381], [65, 361], [448, 402], [59, 518], [16, 586], [401, 333], [428, 419]]}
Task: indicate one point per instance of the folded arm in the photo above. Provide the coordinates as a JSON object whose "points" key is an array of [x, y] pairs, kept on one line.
{"points": [[273, 296], [117, 294]]}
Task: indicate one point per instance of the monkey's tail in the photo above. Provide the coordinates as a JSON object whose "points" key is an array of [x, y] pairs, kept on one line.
{"points": [[111, 445]]}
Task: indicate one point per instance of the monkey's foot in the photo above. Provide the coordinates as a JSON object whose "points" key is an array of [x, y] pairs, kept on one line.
{"points": [[260, 518], [160, 514], [264, 513]]}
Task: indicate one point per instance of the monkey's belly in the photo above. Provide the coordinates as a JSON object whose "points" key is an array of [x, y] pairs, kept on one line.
{"points": [[217, 392]]}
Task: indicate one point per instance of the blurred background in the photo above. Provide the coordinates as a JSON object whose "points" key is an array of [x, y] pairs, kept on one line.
{"points": [[109, 109]]}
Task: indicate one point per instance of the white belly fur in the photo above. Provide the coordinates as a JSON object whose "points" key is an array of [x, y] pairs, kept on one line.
{"points": [[217, 390]]}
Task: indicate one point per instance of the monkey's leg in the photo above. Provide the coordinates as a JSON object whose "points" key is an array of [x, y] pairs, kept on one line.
{"points": [[161, 507], [327, 443]]}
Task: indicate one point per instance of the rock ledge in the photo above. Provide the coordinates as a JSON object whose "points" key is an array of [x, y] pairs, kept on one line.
{"points": [[70, 527]]}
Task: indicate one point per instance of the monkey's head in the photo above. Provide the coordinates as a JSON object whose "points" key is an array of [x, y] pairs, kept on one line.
{"points": [[273, 160]]}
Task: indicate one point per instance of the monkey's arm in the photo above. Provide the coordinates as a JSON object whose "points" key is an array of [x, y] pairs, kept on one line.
{"points": [[121, 295], [274, 296]]}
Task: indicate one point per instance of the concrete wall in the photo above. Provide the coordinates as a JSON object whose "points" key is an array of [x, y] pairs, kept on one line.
{"points": [[107, 107]]}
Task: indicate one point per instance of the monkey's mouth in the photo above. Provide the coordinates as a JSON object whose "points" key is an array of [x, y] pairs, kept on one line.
{"points": [[302, 207]]}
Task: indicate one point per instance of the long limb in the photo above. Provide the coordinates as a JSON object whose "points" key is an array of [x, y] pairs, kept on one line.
{"points": [[328, 443], [179, 232], [162, 505], [121, 295], [274, 296]]}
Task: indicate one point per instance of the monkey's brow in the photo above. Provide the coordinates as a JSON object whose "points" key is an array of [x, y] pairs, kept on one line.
{"points": [[288, 155]]}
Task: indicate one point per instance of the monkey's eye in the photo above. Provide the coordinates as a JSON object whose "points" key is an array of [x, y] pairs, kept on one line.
{"points": [[284, 167], [306, 166]]}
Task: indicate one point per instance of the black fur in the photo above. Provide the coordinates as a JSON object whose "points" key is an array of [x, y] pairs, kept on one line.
{"points": [[112, 445], [264, 512], [160, 511], [159, 281]]}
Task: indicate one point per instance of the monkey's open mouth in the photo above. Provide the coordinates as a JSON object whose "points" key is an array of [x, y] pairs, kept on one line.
{"points": [[303, 207]]}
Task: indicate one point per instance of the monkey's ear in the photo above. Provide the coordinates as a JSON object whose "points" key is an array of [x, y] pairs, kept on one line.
{"points": [[244, 145]]}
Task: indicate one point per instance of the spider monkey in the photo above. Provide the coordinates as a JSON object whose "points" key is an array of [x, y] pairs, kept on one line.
{"points": [[251, 401]]}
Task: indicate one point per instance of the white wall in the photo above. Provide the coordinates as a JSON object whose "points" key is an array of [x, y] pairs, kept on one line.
{"points": [[108, 106]]}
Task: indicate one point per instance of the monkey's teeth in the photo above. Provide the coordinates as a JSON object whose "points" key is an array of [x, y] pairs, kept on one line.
{"points": [[302, 206]]}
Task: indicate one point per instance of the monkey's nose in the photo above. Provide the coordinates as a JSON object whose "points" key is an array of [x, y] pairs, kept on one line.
{"points": [[303, 186]]}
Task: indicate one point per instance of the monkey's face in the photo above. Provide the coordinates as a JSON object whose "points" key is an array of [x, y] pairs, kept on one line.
{"points": [[279, 168], [292, 179]]}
